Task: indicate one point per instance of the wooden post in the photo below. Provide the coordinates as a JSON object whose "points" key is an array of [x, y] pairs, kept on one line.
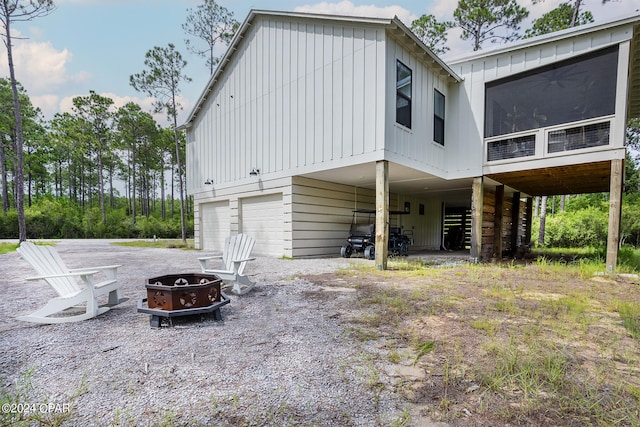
{"points": [[528, 221], [615, 211], [497, 224], [382, 213], [515, 221], [476, 219]]}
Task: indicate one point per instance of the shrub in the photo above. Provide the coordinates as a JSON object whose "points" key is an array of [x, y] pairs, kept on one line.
{"points": [[57, 218], [585, 227], [52, 219], [9, 225]]}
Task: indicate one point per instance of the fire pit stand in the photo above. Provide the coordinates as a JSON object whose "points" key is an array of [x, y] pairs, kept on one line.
{"points": [[156, 314], [185, 294]]}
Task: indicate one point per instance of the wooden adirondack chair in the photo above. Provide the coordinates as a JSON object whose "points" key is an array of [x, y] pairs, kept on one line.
{"points": [[235, 255], [73, 295]]}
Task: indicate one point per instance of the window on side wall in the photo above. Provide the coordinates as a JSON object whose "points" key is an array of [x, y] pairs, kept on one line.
{"points": [[403, 94], [438, 117]]}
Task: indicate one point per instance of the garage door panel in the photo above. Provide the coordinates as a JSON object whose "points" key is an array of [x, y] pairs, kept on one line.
{"points": [[263, 218], [215, 225]]}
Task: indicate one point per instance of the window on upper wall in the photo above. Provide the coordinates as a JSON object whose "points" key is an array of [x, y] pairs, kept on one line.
{"points": [[438, 117], [577, 89], [403, 94]]}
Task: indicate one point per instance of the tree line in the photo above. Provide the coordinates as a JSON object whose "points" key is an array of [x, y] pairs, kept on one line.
{"points": [[90, 157], [496, 21], [73, 163]]}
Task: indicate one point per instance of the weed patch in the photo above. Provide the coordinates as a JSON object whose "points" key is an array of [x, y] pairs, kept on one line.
{"points": [[544, 343]]}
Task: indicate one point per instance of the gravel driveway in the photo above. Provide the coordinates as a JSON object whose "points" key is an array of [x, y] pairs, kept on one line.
{"points": [[281, 355]]}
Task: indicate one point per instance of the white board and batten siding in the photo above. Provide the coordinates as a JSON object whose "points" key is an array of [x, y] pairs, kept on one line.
{"points": [[415, 147], [297, 94]]}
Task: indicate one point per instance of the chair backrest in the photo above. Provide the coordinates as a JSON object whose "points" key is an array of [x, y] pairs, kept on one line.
{"points": [[46, 261], [237, 247]]}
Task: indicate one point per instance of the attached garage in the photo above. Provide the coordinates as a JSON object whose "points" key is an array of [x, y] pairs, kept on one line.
{"points": [[215, 225], [263, 218]]}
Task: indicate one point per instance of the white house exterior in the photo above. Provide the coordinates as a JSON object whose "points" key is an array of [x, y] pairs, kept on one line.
{"points": [[309, 117]]}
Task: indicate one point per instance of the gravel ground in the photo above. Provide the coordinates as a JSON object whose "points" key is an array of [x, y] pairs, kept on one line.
{"points": [[280, 356]]}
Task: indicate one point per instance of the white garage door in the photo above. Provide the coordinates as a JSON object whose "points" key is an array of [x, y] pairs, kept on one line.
{"points": [[263, 218], [214, 225]]}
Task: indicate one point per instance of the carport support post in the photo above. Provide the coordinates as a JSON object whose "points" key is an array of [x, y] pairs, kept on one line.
{"points": [[529, 219], [497, 224], [515, 221], [615, 211], [476, 219], [382, 213]]}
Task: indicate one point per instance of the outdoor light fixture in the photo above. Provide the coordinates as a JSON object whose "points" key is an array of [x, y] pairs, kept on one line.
{"points": [[254, 172], [209, 181]]}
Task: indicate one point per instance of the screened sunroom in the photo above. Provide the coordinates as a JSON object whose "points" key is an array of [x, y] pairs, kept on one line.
{"points": [[556, 108], [551, 113]]}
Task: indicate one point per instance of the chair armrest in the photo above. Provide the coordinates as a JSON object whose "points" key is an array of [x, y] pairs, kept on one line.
{"points": [[103, 267], [109, 270], [205, 258], [238, 265], [70, 274], [242, 260]]}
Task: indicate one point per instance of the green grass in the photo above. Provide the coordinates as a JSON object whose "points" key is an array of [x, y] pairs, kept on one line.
{"points": [[591, 258], [534, 370], [422, 349], [549, 342], [630, 314], [6, 248], [162, 244]]}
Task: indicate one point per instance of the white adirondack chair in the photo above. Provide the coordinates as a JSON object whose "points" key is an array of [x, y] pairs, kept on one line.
{"points": [[73, 295], [235, 255]]}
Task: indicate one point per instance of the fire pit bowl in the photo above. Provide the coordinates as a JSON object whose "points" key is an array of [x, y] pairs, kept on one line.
{"points": [[177, 295], [183, 291]]}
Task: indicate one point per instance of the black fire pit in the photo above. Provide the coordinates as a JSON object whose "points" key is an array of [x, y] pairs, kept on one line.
{"points": [[175, 295]]}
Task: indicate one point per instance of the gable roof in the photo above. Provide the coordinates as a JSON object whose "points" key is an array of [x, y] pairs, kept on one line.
{"points": [[393, 26], [402, 33]]}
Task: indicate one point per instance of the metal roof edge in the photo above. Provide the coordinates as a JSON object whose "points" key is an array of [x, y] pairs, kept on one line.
{"points": [[253, 13], [399, 24], [546, 38]]}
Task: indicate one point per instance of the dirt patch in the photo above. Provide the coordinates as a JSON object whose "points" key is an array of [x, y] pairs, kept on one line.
{"points": [[510, 345]]}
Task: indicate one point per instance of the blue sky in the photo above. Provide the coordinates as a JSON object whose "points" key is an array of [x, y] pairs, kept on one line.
{"points": [[97, 44]]}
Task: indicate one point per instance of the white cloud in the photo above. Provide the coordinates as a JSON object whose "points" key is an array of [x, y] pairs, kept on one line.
{"points": [[48, 104], [442, 9], [42, 70], [40, 67], [347, 8]]}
